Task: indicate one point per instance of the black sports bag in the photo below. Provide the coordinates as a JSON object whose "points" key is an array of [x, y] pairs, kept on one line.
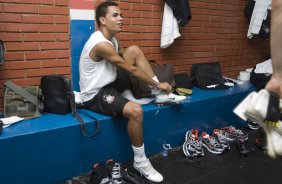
{"points": [[58, 98]]}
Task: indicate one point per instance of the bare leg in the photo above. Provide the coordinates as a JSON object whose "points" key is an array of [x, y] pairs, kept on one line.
{"points": [[135, 56], [275, 83], [134, 113]]}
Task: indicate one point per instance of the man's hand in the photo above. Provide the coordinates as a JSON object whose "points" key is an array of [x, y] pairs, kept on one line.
{"points": [[164, 86]]}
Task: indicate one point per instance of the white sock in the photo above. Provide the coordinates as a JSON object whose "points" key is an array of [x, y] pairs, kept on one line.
{"points": [[155, 78], [154, 90], [139, 154]]}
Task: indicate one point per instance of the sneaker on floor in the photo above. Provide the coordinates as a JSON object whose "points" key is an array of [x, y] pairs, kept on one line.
{"points": [[146, 169], [168, 98], [211, 144], [234, 133], [228, 134], [192, 145], [264, 108], [218, 134]]}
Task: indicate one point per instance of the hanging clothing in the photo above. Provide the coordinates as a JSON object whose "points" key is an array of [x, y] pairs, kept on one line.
{"points": [[170, 29], [258, 16], [181, 11]]}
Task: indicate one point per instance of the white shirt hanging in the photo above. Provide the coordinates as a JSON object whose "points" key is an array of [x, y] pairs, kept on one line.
{"points": [[170, 28], [259, 14]]}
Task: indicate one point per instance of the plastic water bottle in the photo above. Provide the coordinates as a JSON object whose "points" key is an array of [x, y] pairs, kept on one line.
{"points": [[166, 149]]}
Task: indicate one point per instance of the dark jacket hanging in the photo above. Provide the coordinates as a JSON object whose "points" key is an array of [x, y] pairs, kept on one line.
{"points": [[181, 11]]}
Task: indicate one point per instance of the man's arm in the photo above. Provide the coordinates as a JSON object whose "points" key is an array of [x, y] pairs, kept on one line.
{"points": [[107, 51], [120, 49]]}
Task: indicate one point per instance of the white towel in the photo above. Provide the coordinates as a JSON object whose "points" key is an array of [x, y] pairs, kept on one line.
{"points": [[10, 120], [264, 67], [259, 14], [129, 96], [170, 29]]}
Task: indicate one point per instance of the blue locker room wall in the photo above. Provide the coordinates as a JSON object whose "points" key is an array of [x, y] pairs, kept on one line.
{"points": [[80, 31]]}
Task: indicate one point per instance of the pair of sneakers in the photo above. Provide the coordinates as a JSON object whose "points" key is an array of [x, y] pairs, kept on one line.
{"points": [[168, 98], [192, 146], [146, 169], [264, 107]]}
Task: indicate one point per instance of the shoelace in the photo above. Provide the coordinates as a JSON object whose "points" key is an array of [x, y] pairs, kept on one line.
{"points": [[228, 134], [231, 132], [239, 133], [213, 142], [196, 142], [220, 137]]}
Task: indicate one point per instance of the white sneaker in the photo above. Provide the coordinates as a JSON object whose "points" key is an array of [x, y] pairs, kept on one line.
{"points": [[264, 108], [169, 98], [146, 169]]}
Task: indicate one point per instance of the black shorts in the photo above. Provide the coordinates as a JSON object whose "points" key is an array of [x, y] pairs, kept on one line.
{"points": [[109, 100]]}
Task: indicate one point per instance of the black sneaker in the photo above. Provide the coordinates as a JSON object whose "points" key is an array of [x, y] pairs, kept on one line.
{"points": [[100, 174]]}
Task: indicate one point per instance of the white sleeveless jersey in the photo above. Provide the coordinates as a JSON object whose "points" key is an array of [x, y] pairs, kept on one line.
{"points": [[95, 75]]}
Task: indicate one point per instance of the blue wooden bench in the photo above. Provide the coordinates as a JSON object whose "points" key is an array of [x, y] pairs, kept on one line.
{"points": [[51, 149]]}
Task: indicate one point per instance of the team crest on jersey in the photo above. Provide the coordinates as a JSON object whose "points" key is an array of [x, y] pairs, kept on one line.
{"points": [[108, 98]]}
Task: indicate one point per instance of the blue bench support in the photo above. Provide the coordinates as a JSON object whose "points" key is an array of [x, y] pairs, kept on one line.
{"points": [[51, 148]]}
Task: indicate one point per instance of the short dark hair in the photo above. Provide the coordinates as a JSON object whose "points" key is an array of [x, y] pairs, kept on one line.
{"points": [[102, 9]]}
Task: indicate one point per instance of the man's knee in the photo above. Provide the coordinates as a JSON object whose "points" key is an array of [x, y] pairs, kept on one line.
{"points": [[133, 50], [133, 110]]}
